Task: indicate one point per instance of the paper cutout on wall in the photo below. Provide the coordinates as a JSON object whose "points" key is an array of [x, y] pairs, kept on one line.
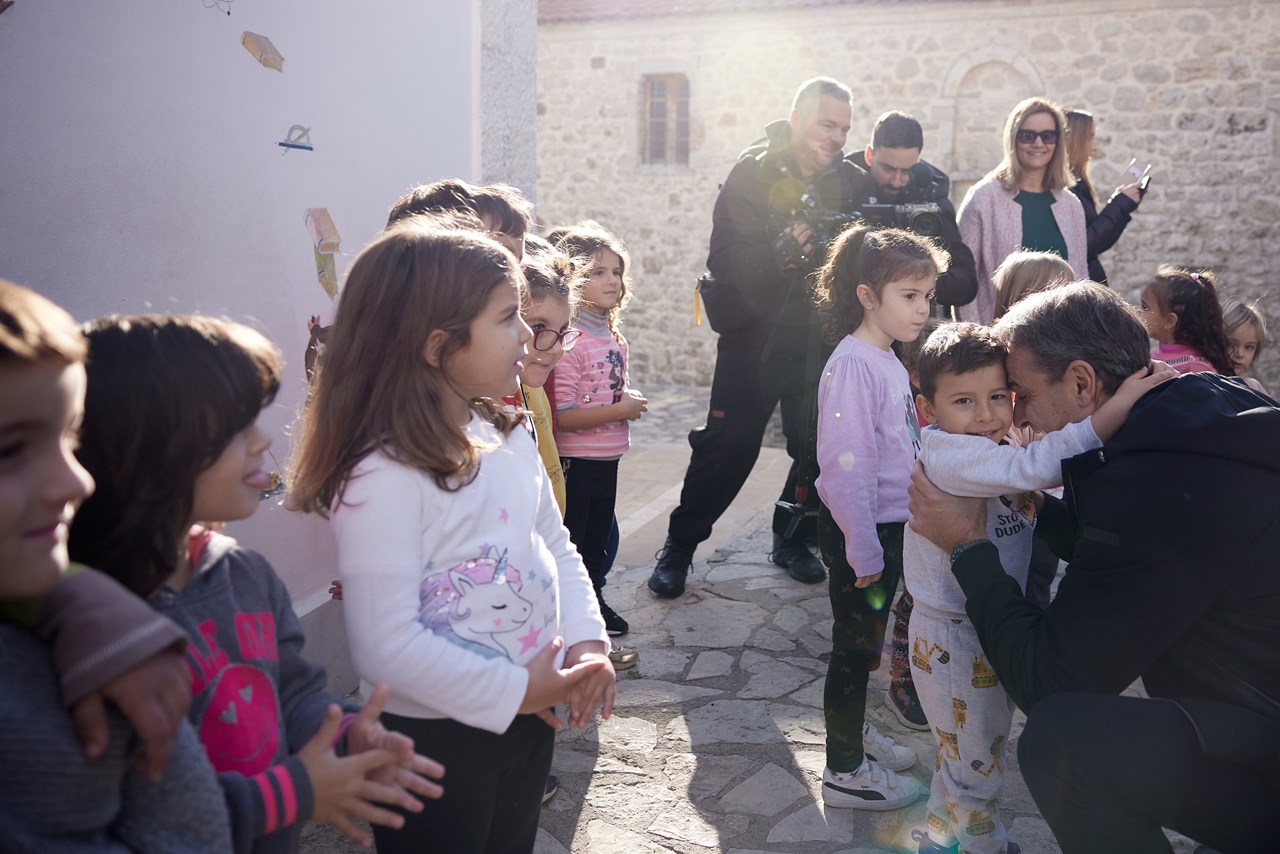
{"points": [[261, 48], [325, 242], [327, 273], [297, 137], [324, 234]]}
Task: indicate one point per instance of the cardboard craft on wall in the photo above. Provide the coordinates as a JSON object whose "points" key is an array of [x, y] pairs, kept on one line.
{"points": [[261, 48]]}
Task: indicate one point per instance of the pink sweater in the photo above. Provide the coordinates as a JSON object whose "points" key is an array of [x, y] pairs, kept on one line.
{"points": [[991, 226], [868, 438], [593, 373], [1183, 358]]}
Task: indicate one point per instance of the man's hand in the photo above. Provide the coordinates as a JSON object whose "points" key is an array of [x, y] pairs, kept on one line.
{"points": [[865, 581], [153, 697], [941, 518]]}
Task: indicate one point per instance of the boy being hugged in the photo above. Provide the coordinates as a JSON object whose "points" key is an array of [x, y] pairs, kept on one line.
{"points": [[965, 396]]}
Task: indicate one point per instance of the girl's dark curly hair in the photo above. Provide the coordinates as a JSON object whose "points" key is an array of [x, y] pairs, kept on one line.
{"points": [[1193, 296], [865, 255]]}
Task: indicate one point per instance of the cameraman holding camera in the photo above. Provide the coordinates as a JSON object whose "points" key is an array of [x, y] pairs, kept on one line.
{"points": [[912, 194], [780, 204]]}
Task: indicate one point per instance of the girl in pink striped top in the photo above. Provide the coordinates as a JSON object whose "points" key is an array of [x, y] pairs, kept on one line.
{"points": [[595, 404], [1181, 312]]}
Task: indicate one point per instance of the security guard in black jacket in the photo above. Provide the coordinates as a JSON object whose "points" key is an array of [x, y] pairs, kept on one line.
{"points": [[775, 211]]}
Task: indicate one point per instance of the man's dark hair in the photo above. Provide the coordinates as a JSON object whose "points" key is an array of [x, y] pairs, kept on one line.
{"points": [[956, 348], [896, 130], [1080, 321]]}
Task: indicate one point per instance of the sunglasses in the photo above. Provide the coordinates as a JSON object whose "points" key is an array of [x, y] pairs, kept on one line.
{"points": [[1028, 137], [545, 339]]}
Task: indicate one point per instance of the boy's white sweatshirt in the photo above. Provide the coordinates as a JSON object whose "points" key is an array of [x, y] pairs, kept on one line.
{"points": [[976, 467], [448, 595]]}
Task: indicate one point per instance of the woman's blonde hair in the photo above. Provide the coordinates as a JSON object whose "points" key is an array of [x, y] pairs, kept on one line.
{"points": [[1025, 273], [375, 390], [1057, 176], [1079, 141]]}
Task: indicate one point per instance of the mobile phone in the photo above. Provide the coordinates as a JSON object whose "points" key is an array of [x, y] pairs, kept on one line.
{"points": [[1138, 174], [1142, 185]]}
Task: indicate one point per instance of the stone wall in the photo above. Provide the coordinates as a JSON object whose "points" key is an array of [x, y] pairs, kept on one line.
{"points": [[1189, 86]]}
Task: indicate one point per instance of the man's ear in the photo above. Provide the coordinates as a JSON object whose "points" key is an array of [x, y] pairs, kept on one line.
{"points": [[926, 409], [433, 346], [1085, 388], [869, 155]]}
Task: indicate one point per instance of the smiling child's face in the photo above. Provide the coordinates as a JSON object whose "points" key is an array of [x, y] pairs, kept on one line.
{"points": [[550, 312], [977, 403], [41, 482]]}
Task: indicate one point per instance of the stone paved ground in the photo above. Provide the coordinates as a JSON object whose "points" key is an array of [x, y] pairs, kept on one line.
{"points": [[716, 740]]}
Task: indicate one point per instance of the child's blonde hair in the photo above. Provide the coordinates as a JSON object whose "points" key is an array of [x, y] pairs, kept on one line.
{"points": [[1236, 313], [1025, 273], [583, 242], [374, 390]]}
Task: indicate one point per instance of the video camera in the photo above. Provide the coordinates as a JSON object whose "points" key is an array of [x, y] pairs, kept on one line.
{"points": [[918, 211]]}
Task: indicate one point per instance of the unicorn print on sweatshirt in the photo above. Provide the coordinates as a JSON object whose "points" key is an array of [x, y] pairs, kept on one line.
{"points": [[477, 604]]}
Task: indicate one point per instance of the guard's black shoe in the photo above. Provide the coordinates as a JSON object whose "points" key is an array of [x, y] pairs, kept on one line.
{"points": [[797, 560], [667, 581]]}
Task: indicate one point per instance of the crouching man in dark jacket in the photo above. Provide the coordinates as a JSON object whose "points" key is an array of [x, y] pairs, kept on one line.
{"points": [[1172, 531]]}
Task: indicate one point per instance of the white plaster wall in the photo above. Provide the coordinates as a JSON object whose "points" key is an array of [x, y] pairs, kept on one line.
{"points": [[139, 170]]}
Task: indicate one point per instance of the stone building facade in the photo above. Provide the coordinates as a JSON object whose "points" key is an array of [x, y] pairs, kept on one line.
{"points": [[1190, 86]]}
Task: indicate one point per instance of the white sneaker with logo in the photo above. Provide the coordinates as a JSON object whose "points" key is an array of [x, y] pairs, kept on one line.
{"points": [[884, 751], [871, 787]]}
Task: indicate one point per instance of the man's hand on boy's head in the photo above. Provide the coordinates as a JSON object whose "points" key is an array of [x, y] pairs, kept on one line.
{"points": [[153, 697], [944, 519]]}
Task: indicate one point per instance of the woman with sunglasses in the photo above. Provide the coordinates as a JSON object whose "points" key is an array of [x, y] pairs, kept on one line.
{"points": [[1023, 203]]}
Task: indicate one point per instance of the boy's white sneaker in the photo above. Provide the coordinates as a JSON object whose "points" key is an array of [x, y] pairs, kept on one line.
{"points": [[871, 787], [884, 751]]}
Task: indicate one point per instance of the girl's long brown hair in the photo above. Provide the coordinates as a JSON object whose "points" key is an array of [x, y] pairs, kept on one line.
{"points": [[1079, 144], [374, 390]]}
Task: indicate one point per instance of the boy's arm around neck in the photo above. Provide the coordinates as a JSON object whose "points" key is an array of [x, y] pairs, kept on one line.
{"points": [[976, 467]]}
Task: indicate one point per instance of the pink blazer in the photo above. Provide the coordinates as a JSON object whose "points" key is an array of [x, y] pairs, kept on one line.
{"points": [[991, 226]]}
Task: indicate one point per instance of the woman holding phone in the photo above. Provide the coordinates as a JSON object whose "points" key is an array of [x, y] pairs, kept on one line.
{"points": [[1105, 226], [1023, 203]]}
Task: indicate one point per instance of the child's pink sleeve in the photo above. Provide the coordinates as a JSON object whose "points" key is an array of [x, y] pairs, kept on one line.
{"points": [[568, 377]]}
